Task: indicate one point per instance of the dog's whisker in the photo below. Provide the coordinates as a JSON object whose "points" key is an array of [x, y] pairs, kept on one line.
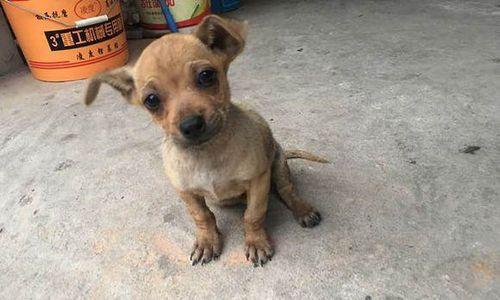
{"points": [[149, 124]]}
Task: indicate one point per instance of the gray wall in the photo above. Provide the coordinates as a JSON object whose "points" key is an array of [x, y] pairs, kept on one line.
{"points": [[9, 57]]}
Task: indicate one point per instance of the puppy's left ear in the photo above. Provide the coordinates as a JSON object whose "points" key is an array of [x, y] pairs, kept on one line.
{"points": [[120, 79], [223, 36]]}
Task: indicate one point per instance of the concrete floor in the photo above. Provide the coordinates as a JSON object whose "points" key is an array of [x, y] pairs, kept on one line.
{"points": [[390, 91]]}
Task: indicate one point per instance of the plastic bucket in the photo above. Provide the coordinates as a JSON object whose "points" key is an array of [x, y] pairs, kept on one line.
{"points": [[185, 12], [68, 39]]}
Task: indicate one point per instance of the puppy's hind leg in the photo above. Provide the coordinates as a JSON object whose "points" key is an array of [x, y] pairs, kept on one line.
{"points": [[303, 212]]}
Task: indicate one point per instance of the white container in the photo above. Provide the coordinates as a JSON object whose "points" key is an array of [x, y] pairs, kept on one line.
{"points": [[185, 12]]}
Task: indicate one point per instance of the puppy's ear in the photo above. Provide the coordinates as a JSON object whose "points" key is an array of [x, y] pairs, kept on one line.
{"points": [[223, 36], [121, 79]]}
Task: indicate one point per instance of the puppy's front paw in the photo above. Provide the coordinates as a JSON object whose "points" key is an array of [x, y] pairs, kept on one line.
{"points": [[309, 218], [258, 250], [206, 247]]}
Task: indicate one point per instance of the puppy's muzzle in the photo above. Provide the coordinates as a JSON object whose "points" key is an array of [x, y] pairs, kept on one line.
{"points": [[193, 127]]}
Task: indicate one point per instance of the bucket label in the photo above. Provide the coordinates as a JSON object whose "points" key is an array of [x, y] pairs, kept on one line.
{"points": [[185, 12], [81, 37], [88, 8]]}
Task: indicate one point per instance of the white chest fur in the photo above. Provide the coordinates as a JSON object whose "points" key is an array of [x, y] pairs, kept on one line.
{"points": [[218, 175]]}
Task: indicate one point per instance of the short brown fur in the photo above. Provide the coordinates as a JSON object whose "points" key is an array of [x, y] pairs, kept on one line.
{"points": [[239, 155]]}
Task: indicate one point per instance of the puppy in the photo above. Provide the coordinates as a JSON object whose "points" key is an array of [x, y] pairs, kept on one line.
{"points": [[214, 150]]}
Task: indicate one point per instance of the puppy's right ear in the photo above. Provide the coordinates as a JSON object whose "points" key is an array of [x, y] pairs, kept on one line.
{"points": [[121, 79]]}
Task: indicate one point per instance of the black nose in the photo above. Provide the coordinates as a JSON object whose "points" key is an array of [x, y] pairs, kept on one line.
{"points": [[192, 127]]}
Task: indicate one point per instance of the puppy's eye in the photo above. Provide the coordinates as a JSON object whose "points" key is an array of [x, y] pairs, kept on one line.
{"points": [[152, 102], [207, 78]]}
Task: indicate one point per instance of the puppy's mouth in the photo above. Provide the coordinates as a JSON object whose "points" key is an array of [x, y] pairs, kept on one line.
{"points": [[213, 127]]}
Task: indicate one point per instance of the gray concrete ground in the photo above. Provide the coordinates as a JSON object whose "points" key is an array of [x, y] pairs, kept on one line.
{"points": [[390, 91]]}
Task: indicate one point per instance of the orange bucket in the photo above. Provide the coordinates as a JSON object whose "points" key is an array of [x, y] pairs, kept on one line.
{"points": [[68, 39]]}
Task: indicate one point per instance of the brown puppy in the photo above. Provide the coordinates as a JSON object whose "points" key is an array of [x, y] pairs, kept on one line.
{"points": [[214, 150]]}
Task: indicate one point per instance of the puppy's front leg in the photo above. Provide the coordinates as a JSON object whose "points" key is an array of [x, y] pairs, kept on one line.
{"points": [[258, 249], [207, 245]]}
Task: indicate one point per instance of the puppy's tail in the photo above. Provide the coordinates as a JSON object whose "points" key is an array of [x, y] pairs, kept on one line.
{"points": [[291, 154]]}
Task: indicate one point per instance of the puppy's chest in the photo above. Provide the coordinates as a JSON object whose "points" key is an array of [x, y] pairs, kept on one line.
{"points": [[216, 183], [213, 178]]}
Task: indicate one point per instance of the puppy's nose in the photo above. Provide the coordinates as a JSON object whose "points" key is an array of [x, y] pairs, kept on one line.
{"points": [[192, 127]]}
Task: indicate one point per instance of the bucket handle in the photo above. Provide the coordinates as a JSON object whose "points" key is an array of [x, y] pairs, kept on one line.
{"points": [[77, 24]]}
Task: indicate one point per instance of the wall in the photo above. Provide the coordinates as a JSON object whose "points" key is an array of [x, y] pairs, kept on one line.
{"points": [[9, 56]]}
